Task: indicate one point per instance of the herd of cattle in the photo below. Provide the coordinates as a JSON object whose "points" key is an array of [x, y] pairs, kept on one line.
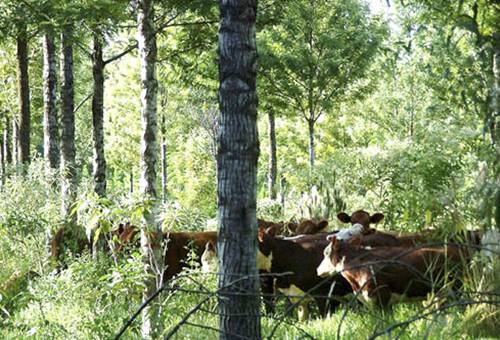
{"points": [[313, 264]]}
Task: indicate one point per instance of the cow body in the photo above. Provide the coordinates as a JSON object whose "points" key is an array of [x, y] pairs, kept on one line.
{"points": [[380, 274], [294, 264]]}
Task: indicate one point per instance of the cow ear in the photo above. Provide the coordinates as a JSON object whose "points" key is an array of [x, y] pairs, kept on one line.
{"points": [[335, 243], [375, 218], [292, 226], [343, 217], [330, 237], [322, 225], [355, 241]]}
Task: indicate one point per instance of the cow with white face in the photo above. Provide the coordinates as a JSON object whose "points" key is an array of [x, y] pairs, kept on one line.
{"points": [[382, 276]]}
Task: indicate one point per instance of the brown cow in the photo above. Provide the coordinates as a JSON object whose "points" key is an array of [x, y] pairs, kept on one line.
{"points": [[381, 274], [300, 257], [373, 237], [179, 246], [307, 227]]}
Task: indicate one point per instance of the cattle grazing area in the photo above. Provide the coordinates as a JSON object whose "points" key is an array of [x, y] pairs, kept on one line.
{"points": [[299, 169]]}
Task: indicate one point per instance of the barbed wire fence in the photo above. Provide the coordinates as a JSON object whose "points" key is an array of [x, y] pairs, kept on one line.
{"points": [[429, 312]]}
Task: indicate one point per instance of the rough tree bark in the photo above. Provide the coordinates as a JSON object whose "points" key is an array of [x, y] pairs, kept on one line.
{"points": [[273, 163], [237, 155], [151, 235], [68, 152], [99, 161], [50, 124], [24, 99]]}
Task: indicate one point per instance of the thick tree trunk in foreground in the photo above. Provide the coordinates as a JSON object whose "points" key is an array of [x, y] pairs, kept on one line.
{"points": [[50, 124], [273, 163], [99, 161], [312, 156], [238, 152], [151, 235], [68, 152], [24, 100]]}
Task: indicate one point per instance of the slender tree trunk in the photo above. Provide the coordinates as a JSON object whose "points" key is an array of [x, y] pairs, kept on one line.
{"points": [[15, 142], [496, 120], [7, 141], [238, 152], [68, 152], [24, 100], [131, 179], [2, 165], [99, 162], [50, 124], [163, 160], [151, 235], [312, 155], [273, 163]]}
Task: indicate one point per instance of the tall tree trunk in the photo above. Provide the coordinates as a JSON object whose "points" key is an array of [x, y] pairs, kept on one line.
{"points": [[238, 152], [7, 141], [163, 160], [24, 99], [151, 235], [2, 165], [99, 162], [496, 120], [15, 142], [312, 156], [273, 163], [68, 152], [50, 124]]}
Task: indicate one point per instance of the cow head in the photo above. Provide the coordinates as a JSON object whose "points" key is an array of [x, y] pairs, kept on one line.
{"points": [[361, 217], [271, 228], [335, 255], [307, 227]]}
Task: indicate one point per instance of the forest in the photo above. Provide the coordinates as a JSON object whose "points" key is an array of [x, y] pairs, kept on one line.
{"points": [[281, 169]]}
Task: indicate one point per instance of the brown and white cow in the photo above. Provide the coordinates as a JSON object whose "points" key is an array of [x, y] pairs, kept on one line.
{"points": [[384, 275], [361, 222], [294, 262]]}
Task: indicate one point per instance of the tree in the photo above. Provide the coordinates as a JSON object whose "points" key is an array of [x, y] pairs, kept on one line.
{"points": [[99, 161], [273, 162], [238, 152], [151, 234], [320, 50], [24, 97], [68, 151], [50, 123]]}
